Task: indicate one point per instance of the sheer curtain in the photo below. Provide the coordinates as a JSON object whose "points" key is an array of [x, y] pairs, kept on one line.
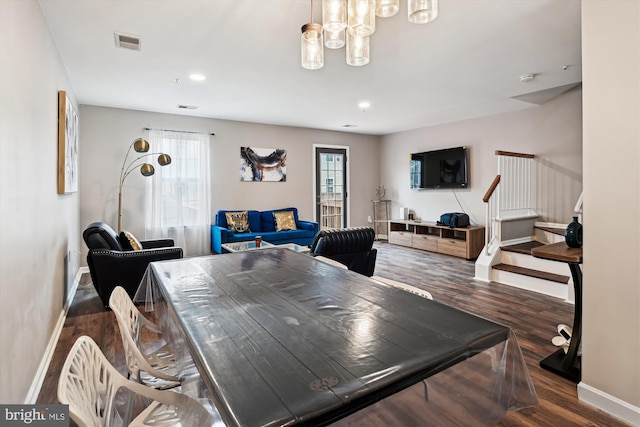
{"points": [[178, 197]]}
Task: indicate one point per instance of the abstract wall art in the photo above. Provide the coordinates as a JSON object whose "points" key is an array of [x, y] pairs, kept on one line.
{"points": [[263, 164], [67, 145]]}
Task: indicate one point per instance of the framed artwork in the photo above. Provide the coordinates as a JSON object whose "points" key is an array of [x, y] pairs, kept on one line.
{"points": [[67, 145], [263, 164]]}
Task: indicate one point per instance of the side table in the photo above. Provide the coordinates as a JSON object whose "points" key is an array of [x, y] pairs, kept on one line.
{"points": [[566, 365]]}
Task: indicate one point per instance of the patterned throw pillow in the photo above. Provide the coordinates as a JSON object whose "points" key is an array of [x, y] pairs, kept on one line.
{"points": [[129, 241], [238, 222], [284, 220]]}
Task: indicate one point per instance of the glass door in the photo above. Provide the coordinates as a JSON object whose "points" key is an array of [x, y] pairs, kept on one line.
{"points": [[331, 187]]}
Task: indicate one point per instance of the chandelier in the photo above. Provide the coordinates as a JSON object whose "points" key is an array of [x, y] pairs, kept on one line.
{"points": [[351, 23]]}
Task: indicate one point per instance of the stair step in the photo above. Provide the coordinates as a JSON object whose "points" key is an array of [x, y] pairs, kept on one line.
{"points": [[558, 278], [522, 248], [558, 231]]}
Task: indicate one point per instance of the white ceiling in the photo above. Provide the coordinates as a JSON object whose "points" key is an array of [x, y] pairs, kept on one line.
{"points": [[467, 63]]}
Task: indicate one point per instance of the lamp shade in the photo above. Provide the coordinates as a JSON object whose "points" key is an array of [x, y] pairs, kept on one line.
{"points": [[387, 8], [361, 19], [422, 11], [357, 50], [334, 15], [164, 159], [141, 145], [334, 39], [147, 169], [312, 48]]}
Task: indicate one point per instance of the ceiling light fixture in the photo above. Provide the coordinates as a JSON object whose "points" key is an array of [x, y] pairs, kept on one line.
{"points": [[312, 51], [197, 77], [422, 11], [352, 22]]}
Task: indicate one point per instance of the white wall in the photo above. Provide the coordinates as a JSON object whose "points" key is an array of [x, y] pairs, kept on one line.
{"points": [[611, 337], [551, 131], [39, 227], [107, 132]]}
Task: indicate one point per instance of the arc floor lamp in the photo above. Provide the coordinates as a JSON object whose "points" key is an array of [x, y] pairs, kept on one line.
{"points": [[146, 169]]}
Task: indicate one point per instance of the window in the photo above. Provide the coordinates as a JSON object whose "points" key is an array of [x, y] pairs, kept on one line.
{"points": [[329, 185], [178, 197]]}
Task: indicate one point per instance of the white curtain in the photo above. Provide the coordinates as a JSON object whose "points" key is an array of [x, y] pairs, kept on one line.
{"points": [[178, 197]]}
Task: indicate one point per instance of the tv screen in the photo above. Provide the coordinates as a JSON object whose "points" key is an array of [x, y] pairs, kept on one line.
{"points": [[440, 169]]}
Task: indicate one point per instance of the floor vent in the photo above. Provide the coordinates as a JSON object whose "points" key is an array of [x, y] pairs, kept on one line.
{"points": [[127, 41]]}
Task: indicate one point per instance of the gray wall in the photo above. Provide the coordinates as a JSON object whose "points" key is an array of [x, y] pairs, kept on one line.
{"points": [[551, 131], [39, 227], [107, 132], [611, 343]]}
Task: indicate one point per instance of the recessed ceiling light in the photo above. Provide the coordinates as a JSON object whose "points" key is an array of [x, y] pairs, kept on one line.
{"points": [[363, 105], [197, 77]]}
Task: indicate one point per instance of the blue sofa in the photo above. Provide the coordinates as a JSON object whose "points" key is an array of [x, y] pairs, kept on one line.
{"points": [[262, 224]]}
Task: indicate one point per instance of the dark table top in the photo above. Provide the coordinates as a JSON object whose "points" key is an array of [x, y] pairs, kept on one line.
{"points": [[283, 339]]}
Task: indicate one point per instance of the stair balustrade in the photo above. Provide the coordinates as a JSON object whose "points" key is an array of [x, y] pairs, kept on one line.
{"points": [[510, 194]]}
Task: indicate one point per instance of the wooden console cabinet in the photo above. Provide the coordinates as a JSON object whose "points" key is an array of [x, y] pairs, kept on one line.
{"points": [[461, 242]]}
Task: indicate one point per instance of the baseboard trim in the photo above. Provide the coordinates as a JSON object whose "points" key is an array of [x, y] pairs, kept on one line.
{"points": [[38, 380], [610, 404]]}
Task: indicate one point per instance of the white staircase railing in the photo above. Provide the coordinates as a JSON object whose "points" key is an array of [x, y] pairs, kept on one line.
{"points": [[490, 234], [515, 195], [510, 194]]}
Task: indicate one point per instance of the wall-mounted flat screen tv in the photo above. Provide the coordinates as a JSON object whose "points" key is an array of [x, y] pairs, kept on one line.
{"points": [[440, 168]]}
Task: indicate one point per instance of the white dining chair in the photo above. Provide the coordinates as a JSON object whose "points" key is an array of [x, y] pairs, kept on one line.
{"points": [[403, 286], [155, 369], [89, 384]]}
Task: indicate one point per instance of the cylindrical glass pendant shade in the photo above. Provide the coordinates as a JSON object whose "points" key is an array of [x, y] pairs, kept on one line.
{"points": [[312, 46], [361, 17], [387, 8], [334, 40], [422, 11], [334, 15], [357, 50]]}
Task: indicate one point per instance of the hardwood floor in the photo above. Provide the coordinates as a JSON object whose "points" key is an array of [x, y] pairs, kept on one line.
{"points": [[533, 318]]}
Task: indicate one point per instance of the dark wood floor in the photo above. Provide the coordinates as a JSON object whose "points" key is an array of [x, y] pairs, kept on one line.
{"points": [[533, 318]]}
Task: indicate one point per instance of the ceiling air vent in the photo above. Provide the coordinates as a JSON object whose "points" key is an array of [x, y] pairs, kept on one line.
{"points": [[127, 41], [187, 107]]}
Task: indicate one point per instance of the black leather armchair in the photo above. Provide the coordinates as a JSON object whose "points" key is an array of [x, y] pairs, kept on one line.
{"points": [[112, 265], [349, 246]]}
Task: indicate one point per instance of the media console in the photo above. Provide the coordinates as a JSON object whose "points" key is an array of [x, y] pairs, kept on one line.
{"points": [[461, 242]]}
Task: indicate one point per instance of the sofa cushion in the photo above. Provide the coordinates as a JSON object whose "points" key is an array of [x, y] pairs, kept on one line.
{"points": [[284, 220], [238, 221], [268, 221], [129, 241]]}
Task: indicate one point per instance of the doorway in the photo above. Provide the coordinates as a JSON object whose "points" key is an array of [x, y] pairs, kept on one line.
{"points": [[331, 187]]}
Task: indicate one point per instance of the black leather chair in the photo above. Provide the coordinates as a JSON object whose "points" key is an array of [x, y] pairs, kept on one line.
{"points": [[112, 265], [349, 246]]}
